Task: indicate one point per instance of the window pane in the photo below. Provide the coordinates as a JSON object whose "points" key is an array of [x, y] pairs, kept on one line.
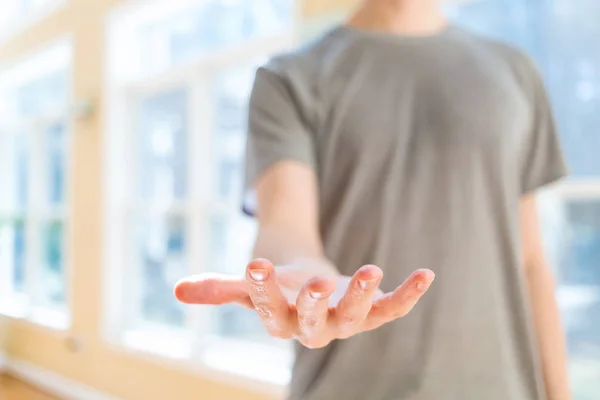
{"points": [[56, 159], [583, 252], [16, 11], [44, 95], [21, 171], [208, 26], [12, 250], [11, 10], [562, 38], [573, 240], [573, 74], [163, 144], [162, 260], [231, 241], [34, 92], [13, 172], [232, 90], [510, 20], [52, 277]]}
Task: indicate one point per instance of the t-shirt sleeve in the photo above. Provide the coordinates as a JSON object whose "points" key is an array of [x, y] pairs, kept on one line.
{"points": [[277, 131], [543, 160]]}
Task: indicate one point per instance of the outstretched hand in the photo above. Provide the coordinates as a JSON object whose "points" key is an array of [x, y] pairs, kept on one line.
{"points": [[294, 303]]}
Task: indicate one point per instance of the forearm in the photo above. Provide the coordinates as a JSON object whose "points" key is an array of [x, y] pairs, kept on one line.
{"points": [[286, 245], [549, 331]]}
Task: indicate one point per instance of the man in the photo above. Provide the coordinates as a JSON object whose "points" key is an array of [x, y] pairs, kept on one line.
{"points": [[402, 141]]}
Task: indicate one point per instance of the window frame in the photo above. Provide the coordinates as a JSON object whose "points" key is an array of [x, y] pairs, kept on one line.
{"points": [[570, 297], [28, 303], [194, 341], [569, 189], [577, 188], [30, 17]]}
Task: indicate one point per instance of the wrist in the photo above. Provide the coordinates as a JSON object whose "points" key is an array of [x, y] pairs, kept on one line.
{"points": [[558, 393], [316, 266]]}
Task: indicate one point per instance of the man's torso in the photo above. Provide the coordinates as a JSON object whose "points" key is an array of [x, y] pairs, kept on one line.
{"points": [[419, 143]]}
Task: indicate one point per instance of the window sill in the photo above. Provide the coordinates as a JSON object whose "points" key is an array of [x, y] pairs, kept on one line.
{"points": [[260, 362], [173, 344], [253, 366]]}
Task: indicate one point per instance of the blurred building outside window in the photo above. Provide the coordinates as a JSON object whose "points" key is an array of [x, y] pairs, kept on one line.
{"points": [[16, 15], [34, 148], [180, 74]]}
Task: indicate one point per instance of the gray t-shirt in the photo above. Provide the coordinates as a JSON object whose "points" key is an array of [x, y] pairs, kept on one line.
{"points": [[423, 147]]}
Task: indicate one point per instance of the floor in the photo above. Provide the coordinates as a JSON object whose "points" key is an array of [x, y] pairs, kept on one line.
{"points": [[13, 389]]}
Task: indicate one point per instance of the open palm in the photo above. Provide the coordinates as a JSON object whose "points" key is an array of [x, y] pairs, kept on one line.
{"points": [[299, 303]]}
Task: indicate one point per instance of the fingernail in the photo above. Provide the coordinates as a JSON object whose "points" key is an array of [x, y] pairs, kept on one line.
{"points": [[422, 286], [258, 274], [366, 283], [316, 294]]}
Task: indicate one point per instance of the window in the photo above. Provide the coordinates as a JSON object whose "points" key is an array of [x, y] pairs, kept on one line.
{"points": [[34, 147], [175, 157], [160, 227], [18, 13], [561, 36], [165, 35], [571, 219]]}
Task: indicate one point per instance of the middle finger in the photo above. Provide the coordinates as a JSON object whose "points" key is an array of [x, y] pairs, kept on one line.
{"points": [[356, 303], [313, 309]]}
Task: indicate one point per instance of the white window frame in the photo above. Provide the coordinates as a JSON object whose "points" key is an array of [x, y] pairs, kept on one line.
{"points": [[193, 346], [557, 195], [55, 56], [572, 299]]}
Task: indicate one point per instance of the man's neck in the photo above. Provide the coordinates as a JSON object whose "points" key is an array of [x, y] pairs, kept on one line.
{"points": [[402, 17]]}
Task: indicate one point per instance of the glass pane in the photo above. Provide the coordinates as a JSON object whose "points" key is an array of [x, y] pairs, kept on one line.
{"points": [[162, 261], [21, 171], [13, 181], [57, 152], [573, 240], [510, 20], [231, 241], [48, 94], [53, 274], [208, 26], [12, 250], [11, 10], [562, 38], [13, 172], [573, 75], [232, 90], [163, 147]]}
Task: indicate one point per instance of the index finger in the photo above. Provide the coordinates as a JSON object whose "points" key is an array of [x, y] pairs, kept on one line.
{"points": [[270, 304], [213, 289]]}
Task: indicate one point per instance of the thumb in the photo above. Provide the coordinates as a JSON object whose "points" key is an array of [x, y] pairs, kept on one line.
{"points": [[212, 289]]}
